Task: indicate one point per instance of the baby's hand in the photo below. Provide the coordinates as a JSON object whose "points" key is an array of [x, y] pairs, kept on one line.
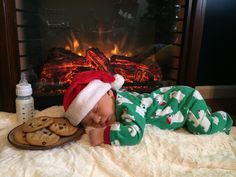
{"points": [[95, 135]]}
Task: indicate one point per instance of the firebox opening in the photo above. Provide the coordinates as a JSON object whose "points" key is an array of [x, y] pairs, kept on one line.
{"points": [[139, 39]]}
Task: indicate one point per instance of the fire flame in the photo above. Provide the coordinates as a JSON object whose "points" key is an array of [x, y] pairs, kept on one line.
{"points": [[115, 51], [74, 46]]}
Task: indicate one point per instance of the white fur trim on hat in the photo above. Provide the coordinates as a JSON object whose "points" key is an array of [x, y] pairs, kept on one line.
{"points": [[86, 100], [118, 82]]}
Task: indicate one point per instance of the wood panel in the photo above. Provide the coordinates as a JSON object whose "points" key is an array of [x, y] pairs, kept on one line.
{"points": [[192, 42], [9, 63]]}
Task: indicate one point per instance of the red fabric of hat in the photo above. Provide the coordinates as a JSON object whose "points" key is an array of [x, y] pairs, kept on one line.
{"points": [[81, 80]]}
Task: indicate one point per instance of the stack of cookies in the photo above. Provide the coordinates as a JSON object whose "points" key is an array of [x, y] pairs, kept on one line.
{"points": [[44, 131]]}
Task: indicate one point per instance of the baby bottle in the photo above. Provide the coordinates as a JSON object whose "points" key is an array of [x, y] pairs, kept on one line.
{"points": [[24, 100]]}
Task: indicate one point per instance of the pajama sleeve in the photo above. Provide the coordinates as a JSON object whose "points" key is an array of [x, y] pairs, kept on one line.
{"points": [[129, 130]]}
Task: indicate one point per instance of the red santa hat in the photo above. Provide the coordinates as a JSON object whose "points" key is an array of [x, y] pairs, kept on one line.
{"points": [[86, 90]]}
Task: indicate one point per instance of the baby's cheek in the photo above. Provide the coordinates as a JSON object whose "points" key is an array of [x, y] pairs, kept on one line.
{"points": [[87, 121]]}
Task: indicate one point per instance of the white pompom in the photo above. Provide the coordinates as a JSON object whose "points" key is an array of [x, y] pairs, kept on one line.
{"points": [[118, 82]]}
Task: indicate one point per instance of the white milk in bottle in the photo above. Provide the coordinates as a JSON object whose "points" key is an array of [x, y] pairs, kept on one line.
{"points": [[24, 100]]}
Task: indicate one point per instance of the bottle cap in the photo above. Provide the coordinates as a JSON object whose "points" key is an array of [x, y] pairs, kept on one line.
{"points": [[23, 88]]}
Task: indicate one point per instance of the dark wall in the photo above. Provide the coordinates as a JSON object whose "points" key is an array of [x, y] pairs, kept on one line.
{"points": [[218, 53]]}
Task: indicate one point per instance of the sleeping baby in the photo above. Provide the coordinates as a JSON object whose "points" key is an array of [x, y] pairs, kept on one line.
{"points": [[95, 99]]}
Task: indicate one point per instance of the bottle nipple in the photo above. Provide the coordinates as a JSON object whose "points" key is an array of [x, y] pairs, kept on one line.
{"points": [[23, 80], [23, 88]]}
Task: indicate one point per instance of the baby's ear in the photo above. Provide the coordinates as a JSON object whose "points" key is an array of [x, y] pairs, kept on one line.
{"points": [[110, 93]]}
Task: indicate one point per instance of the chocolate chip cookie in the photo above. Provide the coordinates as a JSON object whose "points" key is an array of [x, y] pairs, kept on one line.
{"points": [[62, 127], [42, 137], [20, 136], [37, 123]]}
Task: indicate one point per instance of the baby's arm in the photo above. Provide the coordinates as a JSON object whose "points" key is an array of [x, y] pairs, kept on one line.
{"points": [[95, 135], [129, 128]]}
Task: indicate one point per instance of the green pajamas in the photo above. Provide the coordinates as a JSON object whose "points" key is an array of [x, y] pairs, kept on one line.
{"points": [[167, 108]]}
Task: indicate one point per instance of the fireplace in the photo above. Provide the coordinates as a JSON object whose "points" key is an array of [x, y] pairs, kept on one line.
{"points": [[145, 41]]}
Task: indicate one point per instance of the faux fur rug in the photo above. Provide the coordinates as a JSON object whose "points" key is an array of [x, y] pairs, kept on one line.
{"points": [[160, 153]]}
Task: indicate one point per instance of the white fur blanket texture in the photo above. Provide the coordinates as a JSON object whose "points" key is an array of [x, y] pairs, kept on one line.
{"points": [[161, 153]]}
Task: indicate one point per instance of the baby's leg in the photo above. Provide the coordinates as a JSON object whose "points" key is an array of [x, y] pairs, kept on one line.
{"points": [[201, 121]]}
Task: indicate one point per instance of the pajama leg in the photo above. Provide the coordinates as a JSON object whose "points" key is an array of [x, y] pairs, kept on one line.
{"points": [[222, 121], [201, 121], [185, 106], [170, 122]]}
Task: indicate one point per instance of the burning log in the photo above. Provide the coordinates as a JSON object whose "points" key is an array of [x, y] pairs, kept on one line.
{"points": [[59, 70], [132, 72], [97, 59], [62, 65], [62, 69]]}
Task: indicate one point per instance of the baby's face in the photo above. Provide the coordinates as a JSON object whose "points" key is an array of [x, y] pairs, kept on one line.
{"points": [[102, 114]]}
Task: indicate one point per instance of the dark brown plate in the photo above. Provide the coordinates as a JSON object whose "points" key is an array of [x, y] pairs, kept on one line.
{"points": [[62, 140]]}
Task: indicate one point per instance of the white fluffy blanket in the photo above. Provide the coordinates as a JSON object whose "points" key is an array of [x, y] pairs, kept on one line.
{"points": [[161, 153]]}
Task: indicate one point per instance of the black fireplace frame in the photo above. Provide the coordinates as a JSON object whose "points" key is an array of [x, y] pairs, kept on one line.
{"points": [[9, 64]]}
